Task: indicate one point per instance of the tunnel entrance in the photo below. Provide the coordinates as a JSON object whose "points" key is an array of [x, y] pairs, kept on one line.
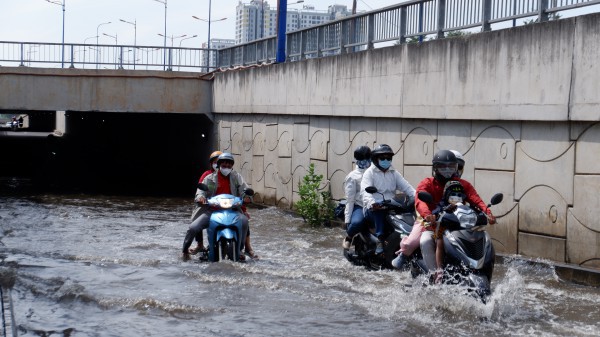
{"points": [[113, 153]]}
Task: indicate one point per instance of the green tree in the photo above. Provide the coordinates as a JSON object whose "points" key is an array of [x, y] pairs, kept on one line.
{"points": [[316, 208]]}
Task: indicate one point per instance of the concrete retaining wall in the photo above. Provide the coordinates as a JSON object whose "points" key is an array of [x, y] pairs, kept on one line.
{"points": [[521, 104]]}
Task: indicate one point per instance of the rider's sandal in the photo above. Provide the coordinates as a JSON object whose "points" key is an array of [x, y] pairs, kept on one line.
{"points": [[252, 255], [197, 249]]}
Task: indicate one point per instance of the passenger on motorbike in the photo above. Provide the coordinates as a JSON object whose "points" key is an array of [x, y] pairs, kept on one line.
{"points": [[454, 194], [353, 213], [461, 162], [223, 181], [199, 208], [387, 181], [444, 169]]}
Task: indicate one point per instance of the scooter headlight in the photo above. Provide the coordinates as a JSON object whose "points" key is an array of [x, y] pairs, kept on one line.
{"points": [[222, 203]]}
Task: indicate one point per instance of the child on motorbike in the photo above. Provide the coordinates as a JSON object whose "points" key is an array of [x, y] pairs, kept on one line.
{"points": [[454, 194]]}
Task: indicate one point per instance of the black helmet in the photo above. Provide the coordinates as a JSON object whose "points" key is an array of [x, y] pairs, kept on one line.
{"points": [[455, 188], [362, 152], [441, 160], [381, 150], [225, 156]]}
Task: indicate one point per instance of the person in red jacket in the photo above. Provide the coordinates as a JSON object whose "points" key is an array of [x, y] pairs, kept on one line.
{"points": [[444, 169], [199, 209]]}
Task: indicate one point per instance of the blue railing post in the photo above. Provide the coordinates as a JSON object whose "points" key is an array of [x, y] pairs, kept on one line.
{"points": [[441, 18], [370, 31], [403, 24], [22, 56], [486, 15], [542, 13], [281, 23], [72, 56]]}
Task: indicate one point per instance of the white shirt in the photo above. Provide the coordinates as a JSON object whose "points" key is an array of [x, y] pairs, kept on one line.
{"points": [[353, 192], [387, 183]]}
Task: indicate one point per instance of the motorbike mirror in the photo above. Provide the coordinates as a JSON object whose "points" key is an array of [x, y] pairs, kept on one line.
{"points": [[425, 197], [202, 187], [371, 189], [497, 198], [249, 192]]}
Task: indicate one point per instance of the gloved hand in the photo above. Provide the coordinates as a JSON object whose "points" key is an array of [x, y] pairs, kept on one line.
{"points": [[201, 200]]}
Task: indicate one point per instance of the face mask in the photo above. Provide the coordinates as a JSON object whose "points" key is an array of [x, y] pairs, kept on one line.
{"points": [[385, 164], [225, 171], [363, 164], [454, 199], [446, 172], [214, 166]]}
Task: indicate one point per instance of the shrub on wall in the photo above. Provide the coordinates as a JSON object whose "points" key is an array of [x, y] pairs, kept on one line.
{"points": [[315, 207]]}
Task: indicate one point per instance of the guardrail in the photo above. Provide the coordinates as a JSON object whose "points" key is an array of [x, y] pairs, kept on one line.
{"points": [[92, 56], [396, 24]]}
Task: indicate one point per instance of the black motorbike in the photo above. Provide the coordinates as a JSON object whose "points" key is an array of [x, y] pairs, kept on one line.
{"points": [[400, 217], [469, 253]]}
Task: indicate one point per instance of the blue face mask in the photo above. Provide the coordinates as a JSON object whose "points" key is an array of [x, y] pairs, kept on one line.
{"points": [[363, 164], [385, 164]]}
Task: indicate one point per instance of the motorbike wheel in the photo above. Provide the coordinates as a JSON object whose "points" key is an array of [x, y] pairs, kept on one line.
{"points": [[227, 250]]}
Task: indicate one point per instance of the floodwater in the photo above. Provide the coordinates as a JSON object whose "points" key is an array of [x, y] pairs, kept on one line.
{"points": [[109, 266]]}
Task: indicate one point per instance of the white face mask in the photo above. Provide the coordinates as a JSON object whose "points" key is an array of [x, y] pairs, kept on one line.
{"points": [[214, 166], [453, 199], [225, 171]]}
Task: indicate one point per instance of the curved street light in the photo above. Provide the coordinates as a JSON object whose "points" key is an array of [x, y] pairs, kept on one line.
{"points": [[97, 47], [165, 34], [134, 23], [63, 28]]}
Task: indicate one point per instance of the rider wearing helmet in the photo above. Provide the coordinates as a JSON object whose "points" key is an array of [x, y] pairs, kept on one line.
{"points": [[461, 162], [387, 180], [353, 213], [224, 180], [198, 209], [444, 169]]}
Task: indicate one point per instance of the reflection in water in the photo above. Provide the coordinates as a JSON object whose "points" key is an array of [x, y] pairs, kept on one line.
{"points": [[109, 266]]}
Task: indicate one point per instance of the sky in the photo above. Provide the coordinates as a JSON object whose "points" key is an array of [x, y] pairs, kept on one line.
{"points": [[41, 21]]}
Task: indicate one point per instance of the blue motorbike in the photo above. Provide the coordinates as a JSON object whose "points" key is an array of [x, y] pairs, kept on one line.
{"points": [[225, 226]]}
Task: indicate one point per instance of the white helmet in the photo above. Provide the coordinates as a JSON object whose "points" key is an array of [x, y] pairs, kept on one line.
{"points": [[461, 162]]}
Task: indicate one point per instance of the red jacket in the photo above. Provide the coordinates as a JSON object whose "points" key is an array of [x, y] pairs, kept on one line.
{"points": [[436, 189]]}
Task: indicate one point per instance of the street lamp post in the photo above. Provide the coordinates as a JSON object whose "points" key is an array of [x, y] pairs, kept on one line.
{"points": [[116, 44], [63, 28], [180, 42], [209, 21], [134, 23], [165, 34], [97, 48], [85, 48], [171, 50]]}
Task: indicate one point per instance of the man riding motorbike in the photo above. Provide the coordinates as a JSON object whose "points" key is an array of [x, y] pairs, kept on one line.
{"points": [[387, 181], [223, 181], [353, 213], [444, 169]]}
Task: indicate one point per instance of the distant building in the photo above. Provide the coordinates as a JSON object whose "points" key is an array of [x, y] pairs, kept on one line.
{"points": [[256, 20], [211, 60]]}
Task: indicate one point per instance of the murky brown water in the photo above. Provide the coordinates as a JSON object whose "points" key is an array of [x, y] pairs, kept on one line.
{"points": [[109, 266]]}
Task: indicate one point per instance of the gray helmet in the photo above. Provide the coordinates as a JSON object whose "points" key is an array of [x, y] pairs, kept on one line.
{"points": [[225, 156], [461, 162]]}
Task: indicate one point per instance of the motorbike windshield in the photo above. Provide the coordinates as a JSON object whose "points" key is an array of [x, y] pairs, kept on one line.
{"points": [[466, 216]]}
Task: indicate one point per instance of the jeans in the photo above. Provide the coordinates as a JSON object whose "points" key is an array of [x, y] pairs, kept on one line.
{"points": [[357, 221], [201, 223], [378, 218]]}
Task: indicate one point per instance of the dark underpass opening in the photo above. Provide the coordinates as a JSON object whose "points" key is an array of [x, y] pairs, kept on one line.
{"points": [[110, 153]]}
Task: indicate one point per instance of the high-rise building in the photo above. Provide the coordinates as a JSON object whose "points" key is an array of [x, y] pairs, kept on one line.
{"points": [[256, 20], [211, 60]]}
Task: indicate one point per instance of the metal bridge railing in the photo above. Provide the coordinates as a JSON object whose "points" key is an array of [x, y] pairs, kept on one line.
{"points": [[397, 23], [92, 56]]}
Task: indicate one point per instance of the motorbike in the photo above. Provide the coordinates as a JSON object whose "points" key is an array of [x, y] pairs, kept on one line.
{"points": [[469, 253], [399, 220], [225, 226]]}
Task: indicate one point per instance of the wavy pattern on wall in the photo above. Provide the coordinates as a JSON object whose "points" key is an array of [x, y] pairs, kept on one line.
{"points": [[548, 172]]}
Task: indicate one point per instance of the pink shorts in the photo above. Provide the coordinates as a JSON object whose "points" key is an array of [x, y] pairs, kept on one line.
{"points": [[410, 243]]}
